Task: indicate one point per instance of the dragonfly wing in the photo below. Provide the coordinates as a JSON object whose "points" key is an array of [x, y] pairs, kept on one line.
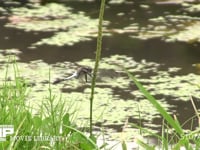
{"points": [[72, 76]]}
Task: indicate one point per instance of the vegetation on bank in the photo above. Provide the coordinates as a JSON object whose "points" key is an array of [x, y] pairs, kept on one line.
{"points": [[52, 128]]}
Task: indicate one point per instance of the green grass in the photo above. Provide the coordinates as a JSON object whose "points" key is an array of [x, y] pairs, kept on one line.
{"points": [[179, 138], [53, 119]]}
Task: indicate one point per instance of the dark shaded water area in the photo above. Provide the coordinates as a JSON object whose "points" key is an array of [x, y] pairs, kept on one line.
{"points": [[179, 54], [170, 54]]}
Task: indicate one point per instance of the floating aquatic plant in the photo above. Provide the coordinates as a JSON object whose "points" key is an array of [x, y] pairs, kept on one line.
{"points": [[170, 28], [2, 9], [69, 28], [193, 8], [115, 94]]}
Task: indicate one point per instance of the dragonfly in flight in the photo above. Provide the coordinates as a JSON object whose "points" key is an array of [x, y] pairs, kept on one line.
{"points": [[83, 71]]}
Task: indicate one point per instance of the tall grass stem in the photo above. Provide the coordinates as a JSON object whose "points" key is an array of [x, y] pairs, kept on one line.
{"points": [[97, 59]]}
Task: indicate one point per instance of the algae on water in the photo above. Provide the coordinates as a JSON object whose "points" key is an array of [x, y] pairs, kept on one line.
{"points": [[68, 27], [115, 93]]}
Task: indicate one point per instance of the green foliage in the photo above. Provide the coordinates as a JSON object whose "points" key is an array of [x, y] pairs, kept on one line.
{"points": [[124, 147], [159, 108], [51, 121], [183, 140], [78, 138]]}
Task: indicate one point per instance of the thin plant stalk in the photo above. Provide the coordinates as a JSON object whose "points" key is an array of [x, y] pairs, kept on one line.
{"points": [[195, 109], [97, 59]]}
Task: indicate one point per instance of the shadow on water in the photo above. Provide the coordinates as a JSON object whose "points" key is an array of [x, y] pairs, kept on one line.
{"points": [[172, 54]]}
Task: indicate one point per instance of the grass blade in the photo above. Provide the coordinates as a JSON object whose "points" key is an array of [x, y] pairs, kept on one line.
{"points": [[159, 108]]}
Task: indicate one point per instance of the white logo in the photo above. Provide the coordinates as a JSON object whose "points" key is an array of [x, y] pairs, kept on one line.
{"points": [[5, 130]]}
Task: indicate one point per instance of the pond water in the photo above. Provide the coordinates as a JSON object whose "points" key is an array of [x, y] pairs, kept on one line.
{"points": [[146, 37]]}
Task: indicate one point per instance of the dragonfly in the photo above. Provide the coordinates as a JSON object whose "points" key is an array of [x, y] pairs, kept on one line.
{"points": [[81, 71]]}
